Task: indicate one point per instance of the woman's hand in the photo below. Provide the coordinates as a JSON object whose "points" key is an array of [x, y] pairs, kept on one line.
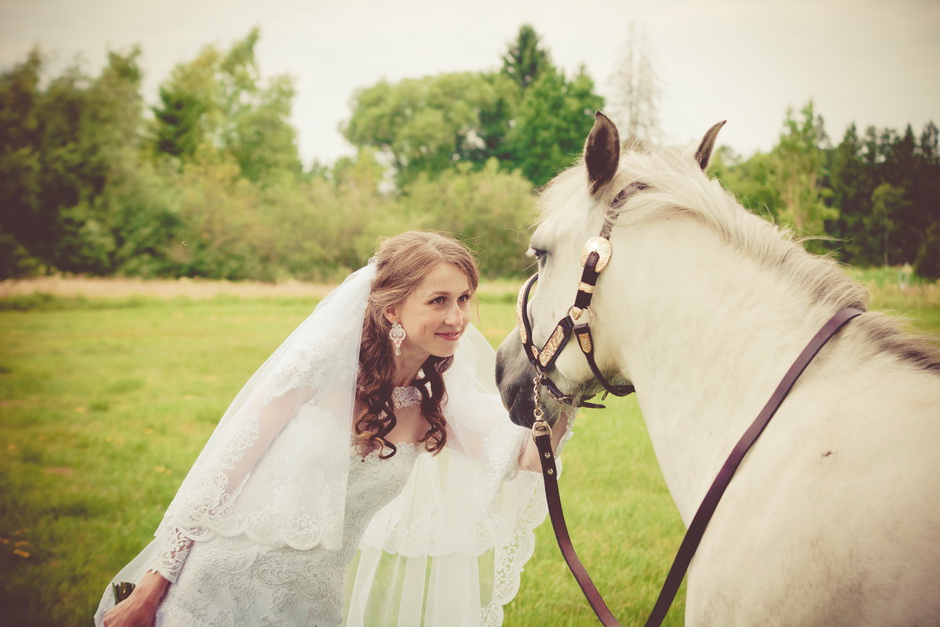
{"points": [[529, 456], [140, 608]]}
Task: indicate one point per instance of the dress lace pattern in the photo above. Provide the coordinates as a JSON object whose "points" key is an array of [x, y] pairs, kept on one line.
{"points": [[236, 581]]}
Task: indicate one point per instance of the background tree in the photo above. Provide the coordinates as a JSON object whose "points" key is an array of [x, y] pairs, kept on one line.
{"points": [[635, 92], [927, 264], [554, 117], [526, 60], [799, 173], [752, 180], [489, 209], [852, 183], [925, 202], [177, 128], [427, 125], [74, 140], [887, 202], [218, 104], [529, 116], [21, 218]]}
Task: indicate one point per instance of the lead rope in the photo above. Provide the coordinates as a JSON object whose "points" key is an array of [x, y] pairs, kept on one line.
{"points": [[541, 432]]}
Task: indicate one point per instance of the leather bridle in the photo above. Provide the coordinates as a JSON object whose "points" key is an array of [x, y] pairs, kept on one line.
{"points": [[594, 258]]}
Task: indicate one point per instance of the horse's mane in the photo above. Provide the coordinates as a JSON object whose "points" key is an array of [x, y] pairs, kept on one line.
{"points": [[676, 186]]}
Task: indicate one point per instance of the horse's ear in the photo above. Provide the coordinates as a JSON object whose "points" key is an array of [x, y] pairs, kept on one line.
{"points": [[704, 153], [602, 152]]}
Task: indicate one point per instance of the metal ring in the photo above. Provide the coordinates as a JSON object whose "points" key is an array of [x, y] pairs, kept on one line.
{"points": [[575, 314]]}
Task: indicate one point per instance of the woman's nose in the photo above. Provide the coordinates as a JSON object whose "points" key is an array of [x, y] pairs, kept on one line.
{"points": [[454, 315]]}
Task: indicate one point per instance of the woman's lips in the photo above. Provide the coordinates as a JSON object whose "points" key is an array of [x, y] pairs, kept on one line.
{"points": [[450, 337]]}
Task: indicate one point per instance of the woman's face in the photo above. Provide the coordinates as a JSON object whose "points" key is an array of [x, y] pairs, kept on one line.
{"points": [[435, 314]]}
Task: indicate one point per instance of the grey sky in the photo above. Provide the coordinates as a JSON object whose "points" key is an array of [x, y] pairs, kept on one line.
{"points": [[868, 61]]}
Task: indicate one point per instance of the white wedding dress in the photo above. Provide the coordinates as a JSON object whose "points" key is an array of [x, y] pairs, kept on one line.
{"points": [[235, 582]]}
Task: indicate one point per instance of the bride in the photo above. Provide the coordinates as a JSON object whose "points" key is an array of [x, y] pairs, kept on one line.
{"points": [[372, 442]]}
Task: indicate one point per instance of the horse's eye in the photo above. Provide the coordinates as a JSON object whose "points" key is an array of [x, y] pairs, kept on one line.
{"points": [[538, 253]]}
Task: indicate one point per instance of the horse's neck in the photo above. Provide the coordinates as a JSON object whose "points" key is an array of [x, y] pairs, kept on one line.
{"points": [[707, 337]]}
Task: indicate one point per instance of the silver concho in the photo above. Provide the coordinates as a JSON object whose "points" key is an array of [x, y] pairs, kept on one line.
{"points": [[601, 246]]}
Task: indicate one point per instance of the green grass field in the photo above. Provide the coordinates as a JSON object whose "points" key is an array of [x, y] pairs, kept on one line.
{"points": [[106, 403]]}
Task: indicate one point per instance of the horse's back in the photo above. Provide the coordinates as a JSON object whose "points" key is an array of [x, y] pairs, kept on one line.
{"points": [[834, 518]]}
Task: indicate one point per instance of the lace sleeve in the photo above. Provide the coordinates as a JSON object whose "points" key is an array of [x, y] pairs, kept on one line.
{"points": [[205, 500], [243, 454], [168, 560]]}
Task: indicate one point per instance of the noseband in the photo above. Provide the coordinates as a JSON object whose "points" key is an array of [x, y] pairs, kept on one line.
{"points": [[594, 258]]}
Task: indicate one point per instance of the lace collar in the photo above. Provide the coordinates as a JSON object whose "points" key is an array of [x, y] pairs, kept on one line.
{"points": [[405, 396]]}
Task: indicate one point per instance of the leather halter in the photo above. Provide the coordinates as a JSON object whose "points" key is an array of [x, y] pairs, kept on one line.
{"points": [[594, 258]]}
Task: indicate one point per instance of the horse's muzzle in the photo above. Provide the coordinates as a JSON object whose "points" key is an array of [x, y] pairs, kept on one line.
{"points": [[514, 377]]}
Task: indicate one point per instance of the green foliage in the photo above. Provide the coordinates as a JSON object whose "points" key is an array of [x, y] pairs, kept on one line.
{"points": [[216, 103], [798, 173], [526, 60], [887, 202], [927, 264], [875, 199], [852, 188], [888, 189], [332, 226], [489, 209], [751, 181], [72, 139], [211, 183], [427, 125], [529, 116], [552, 121], [176, 128]]}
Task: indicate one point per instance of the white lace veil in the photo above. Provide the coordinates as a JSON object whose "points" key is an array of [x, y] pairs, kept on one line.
{"points": [[447, 551]]}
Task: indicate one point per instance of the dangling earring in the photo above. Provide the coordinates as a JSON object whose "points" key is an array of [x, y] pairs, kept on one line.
{"points": [[397, 335]]}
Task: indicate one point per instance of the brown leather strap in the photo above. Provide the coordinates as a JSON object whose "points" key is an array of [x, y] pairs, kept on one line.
{"points": [[696, 529], [544, 442], [693, 536], [586, 341]]}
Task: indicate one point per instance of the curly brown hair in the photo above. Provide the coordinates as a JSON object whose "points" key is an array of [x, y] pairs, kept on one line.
{"points": [[402, 262]]}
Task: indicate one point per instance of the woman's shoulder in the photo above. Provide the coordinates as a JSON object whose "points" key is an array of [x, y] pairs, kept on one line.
{"points": [[316, 363]]}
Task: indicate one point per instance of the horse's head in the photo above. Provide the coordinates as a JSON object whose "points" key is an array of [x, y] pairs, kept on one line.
{"points": [[576, 206]]}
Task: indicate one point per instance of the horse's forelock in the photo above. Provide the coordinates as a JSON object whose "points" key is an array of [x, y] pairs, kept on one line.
{"points": [[564, 192]]}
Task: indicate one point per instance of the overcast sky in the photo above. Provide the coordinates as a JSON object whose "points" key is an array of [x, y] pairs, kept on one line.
{"points": [[874, 62]]}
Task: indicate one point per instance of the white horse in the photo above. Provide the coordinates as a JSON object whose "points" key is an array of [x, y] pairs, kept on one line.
{"points": [[833, 518]]}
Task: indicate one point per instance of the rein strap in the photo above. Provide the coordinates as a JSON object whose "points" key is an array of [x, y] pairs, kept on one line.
{"points": [[696, 530]]}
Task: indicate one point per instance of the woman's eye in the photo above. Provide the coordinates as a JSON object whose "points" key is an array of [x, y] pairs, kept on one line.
{"points": [[439, 300], [465, 298]]}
